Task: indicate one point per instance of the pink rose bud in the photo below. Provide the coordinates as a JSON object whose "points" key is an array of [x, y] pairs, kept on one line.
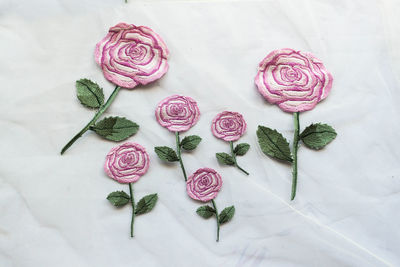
{"points": [[228, 126], [295, 81], [127, 163], [130, 55], [204, 184], [177, 113]]}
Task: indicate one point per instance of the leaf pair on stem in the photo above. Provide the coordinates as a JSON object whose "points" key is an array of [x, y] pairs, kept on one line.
{"points": [[116, 129], [273, 144]]}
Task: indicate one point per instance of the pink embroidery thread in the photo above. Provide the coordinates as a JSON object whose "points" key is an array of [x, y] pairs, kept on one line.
{"points": [[177, 113], [127, 163], [130, 55], [204, 184], [228, 126], [296, 81]]}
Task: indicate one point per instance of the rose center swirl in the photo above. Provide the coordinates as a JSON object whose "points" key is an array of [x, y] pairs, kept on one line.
{"points": [[128, 159], [177, 109], [136, 52], [204, 181], [228, 123]]}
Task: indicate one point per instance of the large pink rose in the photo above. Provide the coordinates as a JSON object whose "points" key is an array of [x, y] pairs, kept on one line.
{"points": [[204, 184], [294, 80], [228, 126], [130, 55], [127, 163], [177, 113]]}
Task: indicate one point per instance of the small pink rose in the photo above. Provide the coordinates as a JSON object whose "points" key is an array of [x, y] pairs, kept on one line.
{"points": [[294, 80], [228, 126], [127, 163], [130, 55], [204, 184], [177, 113]]}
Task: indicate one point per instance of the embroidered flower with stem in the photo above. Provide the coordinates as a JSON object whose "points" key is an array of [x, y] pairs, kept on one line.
{"points": [[129, 56], [178, 114], [126, 164], [296, 81], [230, 126], [204, 185]]}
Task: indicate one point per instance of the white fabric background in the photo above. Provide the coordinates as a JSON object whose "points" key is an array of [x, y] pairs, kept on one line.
{"points": [[53, 210]]}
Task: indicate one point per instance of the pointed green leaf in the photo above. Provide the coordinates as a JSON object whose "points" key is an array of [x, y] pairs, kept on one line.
{"points": [[118, 198], [225, 158], [227, 214], [146, 204], [190, 142], [89, 93], [241, 149], [273, 144], [318, 135], [205, 211], [166, 153], [115, 128]]}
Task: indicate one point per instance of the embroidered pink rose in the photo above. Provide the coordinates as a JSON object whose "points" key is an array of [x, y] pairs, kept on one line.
{"points": [[296, 81], [204, 184], [130, 55], [127, 163], [228, 126], [177, 113]]}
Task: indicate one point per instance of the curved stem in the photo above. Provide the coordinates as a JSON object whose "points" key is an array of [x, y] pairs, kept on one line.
{"points": [[234, 159], [133, 207], [103, 108], [178, 150], [216, 215], [295, 147]]}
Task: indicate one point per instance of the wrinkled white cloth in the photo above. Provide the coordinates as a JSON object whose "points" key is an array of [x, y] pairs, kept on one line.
{"points": [[53, 209]]}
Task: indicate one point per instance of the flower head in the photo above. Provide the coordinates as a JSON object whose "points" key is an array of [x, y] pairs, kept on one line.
{"points": [[130, 55], [127, 163], [204, 184], [177, 113], [294, 80], [228, 126]]}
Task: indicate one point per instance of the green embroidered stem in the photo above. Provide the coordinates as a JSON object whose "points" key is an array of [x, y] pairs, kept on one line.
{"points": [[178, 150], [133, 207], [216, 215], [103, 108], [295, 147], [234, 159]]}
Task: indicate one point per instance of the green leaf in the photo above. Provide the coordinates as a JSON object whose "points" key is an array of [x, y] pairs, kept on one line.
{"points": [[241, 149], [225, 158], [205, 211], [190, 142], [227, 214], [273, 144], [166, 153], [146, 204], [115, 128], [318, 135], [89, 93], [118, 198]]}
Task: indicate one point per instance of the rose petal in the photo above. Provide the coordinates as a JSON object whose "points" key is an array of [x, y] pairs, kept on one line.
{"points": [[204, 184], [177, 113], [131, 55], [127, 163], [294, 80]]}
